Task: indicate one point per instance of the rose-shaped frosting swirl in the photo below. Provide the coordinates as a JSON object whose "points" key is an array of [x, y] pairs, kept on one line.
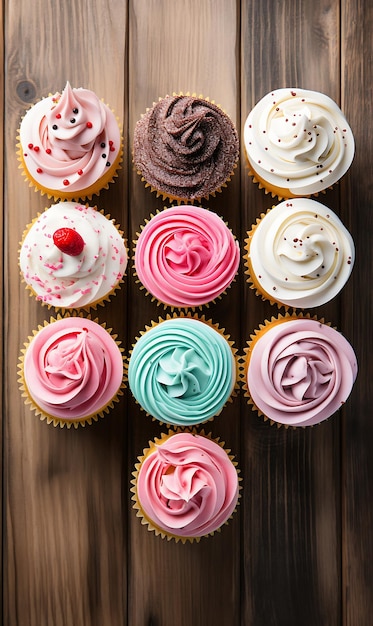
{"points": [[69, 141], [182, 371], [186, 147], [298, 141], [300, 371], [72, 368], [65, 281], [300, 253], [186, 256], [187, 486]]}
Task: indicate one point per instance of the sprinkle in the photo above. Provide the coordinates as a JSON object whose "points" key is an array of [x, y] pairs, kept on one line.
{"points": [[36, 148], [80, 172], [108, 163], [103, 155], [102, 144], [66, 182], [73, 120], [54, 126], [75, 111], [89, 124], [31, 145], [48, 150], [39, 170], [58, 116]]}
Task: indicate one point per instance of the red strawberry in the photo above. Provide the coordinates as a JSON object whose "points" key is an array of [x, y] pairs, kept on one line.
{"points": [[68, 241]]}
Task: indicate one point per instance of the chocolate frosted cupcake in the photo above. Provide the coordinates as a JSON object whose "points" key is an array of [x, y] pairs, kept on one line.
{"points": [[185, 148]]}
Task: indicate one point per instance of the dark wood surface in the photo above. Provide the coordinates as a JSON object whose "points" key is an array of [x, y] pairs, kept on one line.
{"points": [[299, 551]]}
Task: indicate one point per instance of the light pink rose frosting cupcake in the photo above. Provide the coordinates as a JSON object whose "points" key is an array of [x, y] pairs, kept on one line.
{"points": [[299, 372], [72, 370], [70, 144], [186, 486], [186, 256]]}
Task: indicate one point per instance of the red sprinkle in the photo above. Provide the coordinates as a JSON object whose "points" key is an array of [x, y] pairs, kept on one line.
{"points": [[112, 148], [31, 145], [58, 116], [36, 148], [39, 170], [80, 172], [66, 182], [89, 124], [48, 150]]}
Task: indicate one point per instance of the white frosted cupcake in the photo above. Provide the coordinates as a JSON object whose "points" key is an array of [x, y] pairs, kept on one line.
{"points": [[299, 254], [72, 256], [298, 143]]}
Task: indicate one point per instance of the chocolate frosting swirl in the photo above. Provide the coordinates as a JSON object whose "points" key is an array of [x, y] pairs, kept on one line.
{"points": [[185, 147]]}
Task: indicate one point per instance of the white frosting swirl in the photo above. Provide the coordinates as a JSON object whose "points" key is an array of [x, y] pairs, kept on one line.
{"points": [[65, 281], [298, 141], [300, 254]]}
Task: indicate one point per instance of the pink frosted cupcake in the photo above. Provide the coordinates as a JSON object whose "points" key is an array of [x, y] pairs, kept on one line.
{"points": [[70, 145], [186, 256], [185, 486], [71, 371], [298, 371]]}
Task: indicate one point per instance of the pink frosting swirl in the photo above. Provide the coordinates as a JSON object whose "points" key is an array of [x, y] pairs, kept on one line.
{"points": [[69, 141], [186, 256], [187, 486], [73, 368], [300, 372]]}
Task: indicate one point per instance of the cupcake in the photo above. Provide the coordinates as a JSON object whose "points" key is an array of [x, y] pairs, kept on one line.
{"points": [[186, 256], [299, 254], [72, 256], [185, 486], [298, 371], [71, 371], [297, 142], [185, 148], [70, 145], [182, 371]]}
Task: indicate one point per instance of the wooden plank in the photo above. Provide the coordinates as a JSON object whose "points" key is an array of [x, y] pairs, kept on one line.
{"points": [[357, 75], [65, 550], [189, 49], [291, 520]]}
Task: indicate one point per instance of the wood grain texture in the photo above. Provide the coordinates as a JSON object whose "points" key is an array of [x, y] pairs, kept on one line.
{"points": [[299, 548]]}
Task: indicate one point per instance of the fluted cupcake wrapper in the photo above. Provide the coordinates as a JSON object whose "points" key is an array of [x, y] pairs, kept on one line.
{"points": [[145, 521], [54, 420]]}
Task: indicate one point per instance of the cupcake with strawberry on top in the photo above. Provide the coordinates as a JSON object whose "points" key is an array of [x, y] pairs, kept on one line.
{"points": [[72, 256]]}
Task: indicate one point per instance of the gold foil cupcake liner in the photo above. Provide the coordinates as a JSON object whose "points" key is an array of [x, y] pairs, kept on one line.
{"points": [[165, 196], [88, 307], [152, 445], [160, 303], [245, 360], [51, 419]]}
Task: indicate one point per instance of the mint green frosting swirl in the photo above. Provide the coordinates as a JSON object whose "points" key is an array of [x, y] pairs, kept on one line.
{"points": [[182, 371]]}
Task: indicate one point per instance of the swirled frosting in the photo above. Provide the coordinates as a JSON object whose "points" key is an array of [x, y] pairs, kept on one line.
{"points": [[298, 142], [187, 486], [300, 371], [69, 141], [185, 147], [65, 281], [300, 253], [182, 371], [186, 256], [72, 368]]}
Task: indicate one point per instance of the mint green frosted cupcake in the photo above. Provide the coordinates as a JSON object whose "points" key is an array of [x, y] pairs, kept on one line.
{"points": [[183, 370]]}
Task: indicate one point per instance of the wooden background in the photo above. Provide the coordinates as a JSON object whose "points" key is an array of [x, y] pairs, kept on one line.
{"points": [[299, 550]]}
